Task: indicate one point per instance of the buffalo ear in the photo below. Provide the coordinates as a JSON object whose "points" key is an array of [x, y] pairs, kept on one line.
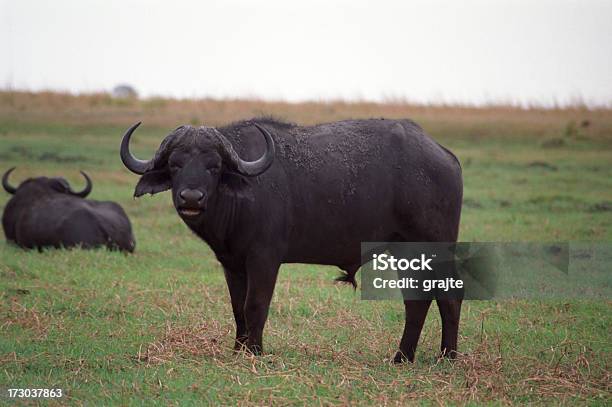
{"points": [[235, 185], [153, 182]]}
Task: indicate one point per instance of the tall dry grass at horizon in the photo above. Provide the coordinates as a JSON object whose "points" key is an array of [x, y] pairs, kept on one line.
{"points": [[103, 109]]}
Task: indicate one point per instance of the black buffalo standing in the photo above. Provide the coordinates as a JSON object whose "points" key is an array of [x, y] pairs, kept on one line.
{"points": [[307, 195], [46, 212]]}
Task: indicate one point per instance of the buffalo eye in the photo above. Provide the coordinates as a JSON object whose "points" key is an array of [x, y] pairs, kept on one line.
{"points": [[175, 166], [214, 170]]}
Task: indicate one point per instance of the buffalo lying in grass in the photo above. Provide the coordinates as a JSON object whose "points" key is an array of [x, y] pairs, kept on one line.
{"points": [[263, 192], [46, 212]]}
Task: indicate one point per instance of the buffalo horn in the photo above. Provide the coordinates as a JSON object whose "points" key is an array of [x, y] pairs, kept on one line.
{"points": [[85, 190], [5, 182], [250, 168], [132, 163]]}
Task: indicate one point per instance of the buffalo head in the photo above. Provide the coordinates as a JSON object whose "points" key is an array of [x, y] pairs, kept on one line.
{"points": [[41, 185], [192, 162]]}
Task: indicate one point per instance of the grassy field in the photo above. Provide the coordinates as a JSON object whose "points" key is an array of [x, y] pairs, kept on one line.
{"points": [[156, 327]]}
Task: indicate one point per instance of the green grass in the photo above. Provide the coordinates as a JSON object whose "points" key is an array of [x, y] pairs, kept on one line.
{"points": [[156, 327]]}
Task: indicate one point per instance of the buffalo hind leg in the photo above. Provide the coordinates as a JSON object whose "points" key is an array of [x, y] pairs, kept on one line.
{"points": [[450, 312], [261, 276], [416, 311], [237, 285]]}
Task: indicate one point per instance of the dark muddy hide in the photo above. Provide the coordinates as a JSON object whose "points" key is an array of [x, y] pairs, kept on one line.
{"points": [[46, 212], [262, 193]]}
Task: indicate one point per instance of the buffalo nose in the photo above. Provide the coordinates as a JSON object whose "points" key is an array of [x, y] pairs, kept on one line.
{"points": [[191, 195]]}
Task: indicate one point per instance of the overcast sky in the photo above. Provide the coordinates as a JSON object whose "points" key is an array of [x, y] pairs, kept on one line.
{"points": [[430, 50]]}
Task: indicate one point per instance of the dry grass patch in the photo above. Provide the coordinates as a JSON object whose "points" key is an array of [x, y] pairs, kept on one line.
{"points": [[13, 313], [206, 339]]}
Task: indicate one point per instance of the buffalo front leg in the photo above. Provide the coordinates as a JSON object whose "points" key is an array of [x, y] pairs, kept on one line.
{"points": [[450, 312], [416, 311], [237, 285], [261, 276]]}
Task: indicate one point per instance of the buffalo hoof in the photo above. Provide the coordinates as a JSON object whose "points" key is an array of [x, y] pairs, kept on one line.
{"points": [[240, 343], [400, 357], [256, 350], [450, 355]]}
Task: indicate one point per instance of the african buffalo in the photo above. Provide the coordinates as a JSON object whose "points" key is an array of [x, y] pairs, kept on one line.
{"points": [[46, 212], [263, 192]]}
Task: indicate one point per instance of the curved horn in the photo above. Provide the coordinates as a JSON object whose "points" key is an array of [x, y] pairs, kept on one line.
{"points": [[85, 190], [250, 168], [5, 183], [132, 163]]}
